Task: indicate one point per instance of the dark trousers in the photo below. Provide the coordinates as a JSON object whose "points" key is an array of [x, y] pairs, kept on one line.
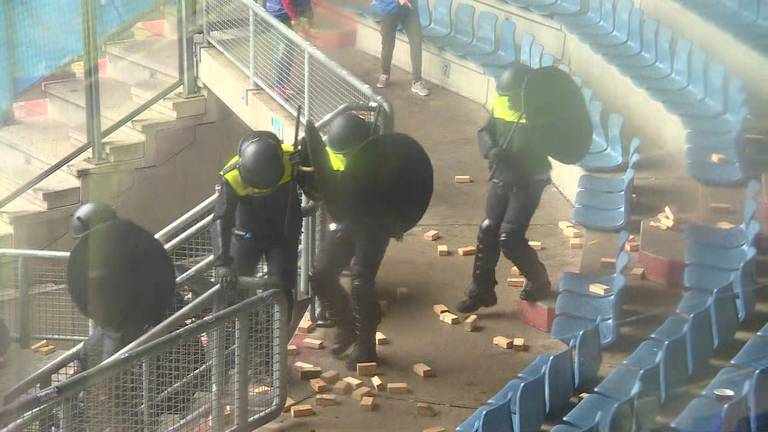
{"points": [[409, 18], [508, 214], [282, 261], [336, 252]]}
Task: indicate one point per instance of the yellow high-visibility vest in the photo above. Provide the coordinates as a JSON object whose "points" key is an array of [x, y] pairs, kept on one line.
{"points": [[232, 175], [501, 110], [338, 160]]}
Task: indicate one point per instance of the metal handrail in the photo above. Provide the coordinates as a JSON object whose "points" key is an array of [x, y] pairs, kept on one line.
{"points": [[316, 55]]}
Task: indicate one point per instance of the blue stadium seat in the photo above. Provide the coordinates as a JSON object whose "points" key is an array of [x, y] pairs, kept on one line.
{"points": [[600, 220], [537, 51], [705, 414], [441, 20], [660, 69], [587, 25], [599, 141], [742, 280], [612, 184], [634, 40], [560, 7], [606, 309], [584, 339], [708, 173], [485, 39], [719, 257], [656, 41], [425, 17], [495, 419], [526, 44], [590, 17], [625, 383], [754, 354], [547, 60], [609, 414], [527, 395], [602, 200], [681, 92], [579, 282], [673, 334], [646, 360], [701, 342], [619, 34], [612, 157], [730, 119], [680, 77], [587, 93], [729, 237], [709, 103], [462, 29], [507, 53], [471, 423], [723, 311], [559, 381], [749, 384]]}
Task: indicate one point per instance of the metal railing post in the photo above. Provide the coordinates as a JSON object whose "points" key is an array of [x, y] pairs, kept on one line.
{"points": [[23, 283], [185, 17], [307, 112], [251, 47], [242, 360], [7, 61], [91, 76], [218, 377]]}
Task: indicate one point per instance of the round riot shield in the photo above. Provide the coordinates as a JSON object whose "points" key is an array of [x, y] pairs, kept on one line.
{"points": [[389, 183], [119, 275], [557, 114]]}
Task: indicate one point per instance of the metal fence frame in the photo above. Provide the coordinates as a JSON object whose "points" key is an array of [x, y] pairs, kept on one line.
{"points": [[317, 67], [58, 399]]}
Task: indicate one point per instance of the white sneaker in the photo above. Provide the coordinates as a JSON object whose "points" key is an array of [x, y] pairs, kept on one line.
{"points": [[383, 81], [420, 88]]}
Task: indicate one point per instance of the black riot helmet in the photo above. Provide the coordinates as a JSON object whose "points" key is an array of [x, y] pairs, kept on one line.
{"points": [[89, 216], [347, 132], [511, 83], [261, 160]]}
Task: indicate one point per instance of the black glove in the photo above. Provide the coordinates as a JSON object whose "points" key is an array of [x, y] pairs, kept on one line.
{"points": [[226, 277], [295, 157]]}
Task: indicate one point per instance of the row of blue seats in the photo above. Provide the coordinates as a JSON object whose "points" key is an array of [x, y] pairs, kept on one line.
{"points": [[543, 388], [746, 19], [672, 71], [453, 33], [604, 203], [746, 408], [706, 319]]}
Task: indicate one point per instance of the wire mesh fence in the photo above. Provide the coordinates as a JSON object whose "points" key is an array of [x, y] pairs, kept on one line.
{"points": [[225, 372], [279, 61]]}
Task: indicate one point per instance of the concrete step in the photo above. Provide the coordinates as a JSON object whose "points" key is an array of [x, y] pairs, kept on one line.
{"points": [[123, 145], [44, 138], [174, 106], [66, 99], [136, 60]]}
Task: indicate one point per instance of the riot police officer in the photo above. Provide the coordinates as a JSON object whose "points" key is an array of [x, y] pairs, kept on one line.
{"points": [[356, 317], [118, 275], [258, 214], [519, 174]]}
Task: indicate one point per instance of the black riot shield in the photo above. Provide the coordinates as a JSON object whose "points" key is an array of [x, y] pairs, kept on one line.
{"points": [[119, 275], [386, 185], [557, 115]]}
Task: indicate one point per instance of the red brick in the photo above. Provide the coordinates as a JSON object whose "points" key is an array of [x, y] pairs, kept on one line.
{"points": [[538, 314]]}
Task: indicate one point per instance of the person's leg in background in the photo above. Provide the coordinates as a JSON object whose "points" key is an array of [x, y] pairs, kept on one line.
{"points": [[412, 26], [282, 61], [282, 266], [335, 253], [523, 201], [388, 27]]}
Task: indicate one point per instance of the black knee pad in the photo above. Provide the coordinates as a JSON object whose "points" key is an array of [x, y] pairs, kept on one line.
{"points": [[513, 244], [488, 232]]}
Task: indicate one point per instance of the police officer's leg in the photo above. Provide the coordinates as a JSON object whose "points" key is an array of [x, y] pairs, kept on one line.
{"points": [[246, 254], [335, 253], [282, 265], [480, 292], [523, 201], [369, 252]]}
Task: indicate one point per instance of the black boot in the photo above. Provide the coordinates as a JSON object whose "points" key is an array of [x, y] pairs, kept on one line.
{"points": [[535, 291], [345, 335], [364, 351], [481, 291], [517, 250]]}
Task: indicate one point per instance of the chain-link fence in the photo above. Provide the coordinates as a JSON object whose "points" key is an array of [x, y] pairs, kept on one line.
{"points": [[283, 64], [224, 373]]}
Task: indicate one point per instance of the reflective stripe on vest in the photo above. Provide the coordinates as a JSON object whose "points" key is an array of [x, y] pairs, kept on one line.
{"points": [[502, 111], [338, 160], [232, 175]]}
